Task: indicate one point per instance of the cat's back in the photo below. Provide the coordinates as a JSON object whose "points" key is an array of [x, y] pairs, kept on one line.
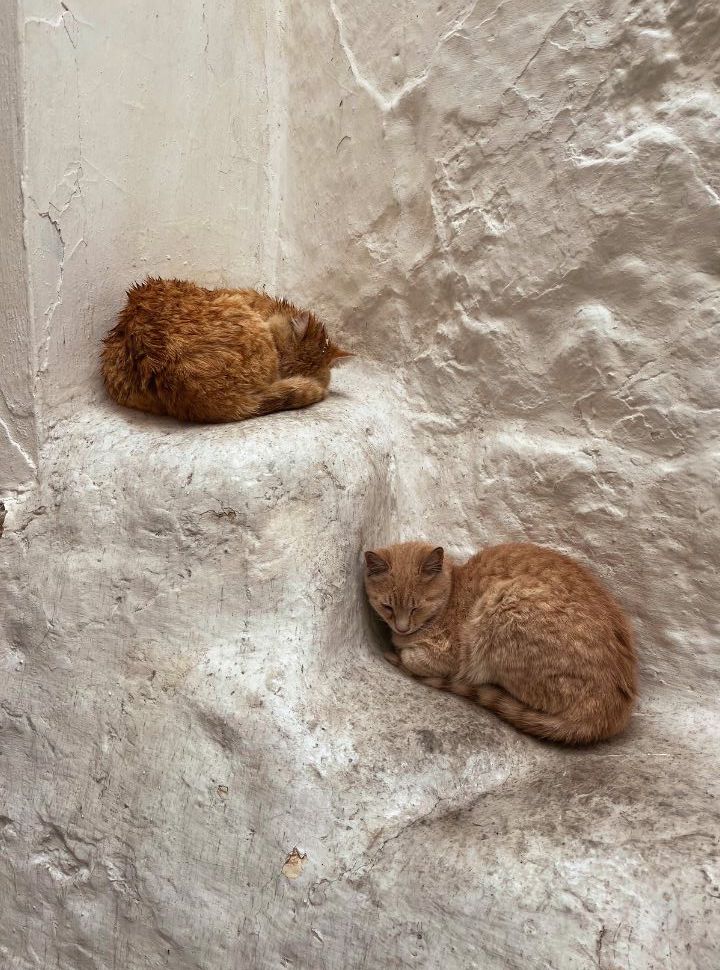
{"points": [[540, 592], [541, 578], [179, 308], [159, 296], [551, 640], [518, 559], [168, 320], [183, 336]]}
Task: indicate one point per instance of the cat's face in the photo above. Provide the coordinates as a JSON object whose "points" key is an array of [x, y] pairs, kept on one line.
{"points": [[305, 348], [408, 585]]}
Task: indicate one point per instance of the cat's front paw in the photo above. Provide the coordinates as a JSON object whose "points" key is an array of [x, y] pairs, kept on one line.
{"points": [[391, 657]]}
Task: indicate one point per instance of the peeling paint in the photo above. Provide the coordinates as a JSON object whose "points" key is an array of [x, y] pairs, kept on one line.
{"points": [[294, 864], [54, 214]]}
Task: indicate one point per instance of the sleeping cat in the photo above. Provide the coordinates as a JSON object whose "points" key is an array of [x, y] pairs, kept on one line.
{"points": [[215, 355], [525, 631]]}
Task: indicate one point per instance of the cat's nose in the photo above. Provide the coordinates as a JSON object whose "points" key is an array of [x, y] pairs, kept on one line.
{"points": [[402, 626]]}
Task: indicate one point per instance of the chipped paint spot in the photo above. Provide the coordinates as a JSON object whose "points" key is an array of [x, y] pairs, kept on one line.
{"points": [[294, 864]]}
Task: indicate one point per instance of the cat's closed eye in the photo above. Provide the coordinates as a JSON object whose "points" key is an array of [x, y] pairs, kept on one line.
{"points": [[386, 606]]}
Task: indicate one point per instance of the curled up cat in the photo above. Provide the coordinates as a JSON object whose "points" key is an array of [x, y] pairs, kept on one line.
{"points": [[525, 631], [215, 355]]}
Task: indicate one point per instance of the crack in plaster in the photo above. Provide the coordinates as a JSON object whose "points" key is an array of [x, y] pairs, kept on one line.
{"points": [[387, 103], [277, 88], [44, 354], [53, 214], [545, 40], [383, 101], [12, 409], [206, 28], [57, 22], [15, 444]]}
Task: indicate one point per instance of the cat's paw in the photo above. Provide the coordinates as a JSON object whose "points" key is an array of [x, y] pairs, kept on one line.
{"points": [[439, 683], [391, 657], [311, 392]]}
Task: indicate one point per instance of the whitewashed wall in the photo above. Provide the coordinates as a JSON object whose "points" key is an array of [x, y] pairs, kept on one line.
{"points": [[18, 434], [511, 210], [516, 207], [152, 138]]}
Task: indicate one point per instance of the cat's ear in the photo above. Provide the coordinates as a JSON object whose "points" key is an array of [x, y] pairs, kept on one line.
{"points": [[375, 564], [337, 354], [433, 562], [300, 323]]}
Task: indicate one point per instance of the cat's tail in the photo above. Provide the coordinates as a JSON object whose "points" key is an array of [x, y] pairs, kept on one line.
{"points": [[289, 393], [584, 722]]}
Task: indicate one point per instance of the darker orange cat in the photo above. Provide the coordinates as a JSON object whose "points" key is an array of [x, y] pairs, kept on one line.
{"points": [[215, 355], [525, 631]]}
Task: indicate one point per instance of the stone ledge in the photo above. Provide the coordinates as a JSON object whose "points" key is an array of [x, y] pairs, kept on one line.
{"points": [[192, 690]]}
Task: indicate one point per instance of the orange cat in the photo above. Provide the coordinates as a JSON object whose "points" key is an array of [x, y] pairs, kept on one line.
{"points": [[215, 355], [525, 631]]}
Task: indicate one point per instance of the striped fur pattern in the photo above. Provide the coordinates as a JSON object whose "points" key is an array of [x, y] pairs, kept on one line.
{"points": [[215, 355], [524, 631]]}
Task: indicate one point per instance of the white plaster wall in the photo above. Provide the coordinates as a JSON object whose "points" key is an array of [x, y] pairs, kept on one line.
{"points": [[511, 210], [529, 230], [151, 141], [18, 436]]}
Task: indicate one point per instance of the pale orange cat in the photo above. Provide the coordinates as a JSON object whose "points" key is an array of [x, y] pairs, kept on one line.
{"points": [[525, 631], [215, 355]]}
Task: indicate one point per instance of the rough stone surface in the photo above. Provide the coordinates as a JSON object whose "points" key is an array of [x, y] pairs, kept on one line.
{"points": [[530, 200], [194, 701], [512, 209]]}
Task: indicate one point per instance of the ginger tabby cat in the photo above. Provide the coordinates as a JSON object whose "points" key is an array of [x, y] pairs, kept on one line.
{"points": [[525, 631], [215, 355]]}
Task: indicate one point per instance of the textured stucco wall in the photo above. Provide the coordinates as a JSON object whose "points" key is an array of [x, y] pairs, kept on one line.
{"points": [[530, 239], [151, 138], [511, 209], [18, 437]]}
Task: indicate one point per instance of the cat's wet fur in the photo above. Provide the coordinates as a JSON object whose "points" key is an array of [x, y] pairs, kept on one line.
{"points": [[215, 355]]}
